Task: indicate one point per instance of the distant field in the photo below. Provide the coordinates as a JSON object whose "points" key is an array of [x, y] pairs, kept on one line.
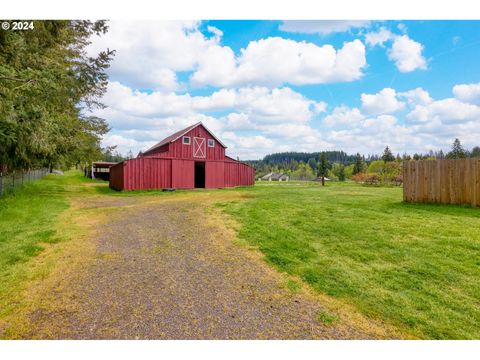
{"points": [[416, 266]]}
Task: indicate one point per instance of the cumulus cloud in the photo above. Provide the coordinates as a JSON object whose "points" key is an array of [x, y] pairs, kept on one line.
{"points": [[149, 53], [383, 102], [343, 115], [404, 52], [275, 61], [260, 103], [323, 27], [416, 96], [378, 37], [407, 54], [446, 110], [469, 93]]}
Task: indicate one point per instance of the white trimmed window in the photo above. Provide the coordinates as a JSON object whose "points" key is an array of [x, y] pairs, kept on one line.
{"points": [[211, 143], [186, 140]]}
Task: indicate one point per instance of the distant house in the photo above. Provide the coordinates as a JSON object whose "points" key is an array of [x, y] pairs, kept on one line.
{"points": [[273, 176]]}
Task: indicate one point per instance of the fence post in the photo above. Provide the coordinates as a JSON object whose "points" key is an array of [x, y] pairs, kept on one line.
{"points": [[1, 183], [13, 180]]}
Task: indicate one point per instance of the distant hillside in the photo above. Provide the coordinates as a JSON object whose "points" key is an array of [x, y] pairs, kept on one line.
{"points": [[286, 157]]}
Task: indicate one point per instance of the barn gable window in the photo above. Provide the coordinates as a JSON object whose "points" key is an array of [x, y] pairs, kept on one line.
{"points": [[186, 140], [211, 143]]}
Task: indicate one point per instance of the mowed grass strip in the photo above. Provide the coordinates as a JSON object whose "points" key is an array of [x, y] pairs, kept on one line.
{"points": [[414, 265], [28, 224]]}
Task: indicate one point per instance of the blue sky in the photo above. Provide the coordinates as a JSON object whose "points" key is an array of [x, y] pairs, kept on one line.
{"points": [[270, 86]]}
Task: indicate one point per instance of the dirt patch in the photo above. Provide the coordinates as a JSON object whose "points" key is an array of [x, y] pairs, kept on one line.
{"points": [[168, 268]]}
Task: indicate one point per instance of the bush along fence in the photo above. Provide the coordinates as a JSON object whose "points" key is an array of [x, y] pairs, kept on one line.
{"points": [[9, 182], [447, 181]]}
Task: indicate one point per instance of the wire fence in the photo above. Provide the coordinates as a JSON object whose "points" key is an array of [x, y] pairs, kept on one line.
{"points": [[8, 182]]}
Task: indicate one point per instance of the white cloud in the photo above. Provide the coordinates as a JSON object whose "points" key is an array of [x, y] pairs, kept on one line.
{"points": [[469, 93], [149, 53], [379, 37], [445, 111], [275, 61], [343, 115], [416, 96], [404, 52], [407, 54], [260, 103], [323, 27], [381, 103]]}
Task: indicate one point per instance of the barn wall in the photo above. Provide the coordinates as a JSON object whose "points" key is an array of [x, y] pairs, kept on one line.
{"points": [[214, 174], [147, 173], [116, 177], [238, 174], [183, 174], [179, 150]]}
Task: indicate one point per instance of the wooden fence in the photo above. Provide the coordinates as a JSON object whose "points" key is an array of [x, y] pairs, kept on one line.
{"points": [[448, 181]]}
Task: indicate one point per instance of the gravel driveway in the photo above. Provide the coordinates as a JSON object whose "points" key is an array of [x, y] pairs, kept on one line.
{"points": [[162, 270]]}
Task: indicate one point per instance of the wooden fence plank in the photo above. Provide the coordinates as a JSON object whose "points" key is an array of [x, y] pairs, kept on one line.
{"points": [[447, 181]]}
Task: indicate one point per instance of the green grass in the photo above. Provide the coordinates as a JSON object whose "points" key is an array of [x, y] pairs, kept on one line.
{"points": [[28, 223], [416, 266]]}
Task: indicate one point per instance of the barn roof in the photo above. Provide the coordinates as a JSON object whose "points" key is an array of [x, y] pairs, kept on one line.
{"points": [[177, 135]]}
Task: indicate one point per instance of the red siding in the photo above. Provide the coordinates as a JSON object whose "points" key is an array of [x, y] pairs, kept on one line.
{"points": [[179, 150], [147, 173], [116, 176], [172, 166], [214, 174], [182, 174]]}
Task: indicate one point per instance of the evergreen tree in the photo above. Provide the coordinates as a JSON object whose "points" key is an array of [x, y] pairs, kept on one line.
{"points": [[323, 165], [341, 173], [358, 166], [475, 152], [48, 84], [387, 155], [457, 151], [312, 163]]}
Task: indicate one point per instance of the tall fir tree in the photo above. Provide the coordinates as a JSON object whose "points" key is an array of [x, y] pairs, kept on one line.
{"points": [[323, 165], [358, 166], [387, 155], [457, 152]]}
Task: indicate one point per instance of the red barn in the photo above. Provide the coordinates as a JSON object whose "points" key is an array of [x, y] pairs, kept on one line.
{"points": [[190, 158]]}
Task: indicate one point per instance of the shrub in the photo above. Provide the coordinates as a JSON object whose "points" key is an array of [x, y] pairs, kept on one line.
{"points": [[367, 178]]}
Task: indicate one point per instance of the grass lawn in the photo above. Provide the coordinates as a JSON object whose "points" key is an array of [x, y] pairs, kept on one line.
{"points": [[29, 223], [415, 266]]}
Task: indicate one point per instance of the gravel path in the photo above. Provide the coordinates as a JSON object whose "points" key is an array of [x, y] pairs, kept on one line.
{"points": [[163, 272]]}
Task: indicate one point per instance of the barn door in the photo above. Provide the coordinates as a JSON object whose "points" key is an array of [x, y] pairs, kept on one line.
{"points": [[199, 147]]}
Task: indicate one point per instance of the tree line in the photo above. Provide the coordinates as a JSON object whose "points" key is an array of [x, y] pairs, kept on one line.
{"points": [[338, 165], [48, 86]]}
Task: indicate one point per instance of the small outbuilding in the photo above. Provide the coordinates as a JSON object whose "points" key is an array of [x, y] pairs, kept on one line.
{"points": [[190, 158], [99, 170], [274, 176]]}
